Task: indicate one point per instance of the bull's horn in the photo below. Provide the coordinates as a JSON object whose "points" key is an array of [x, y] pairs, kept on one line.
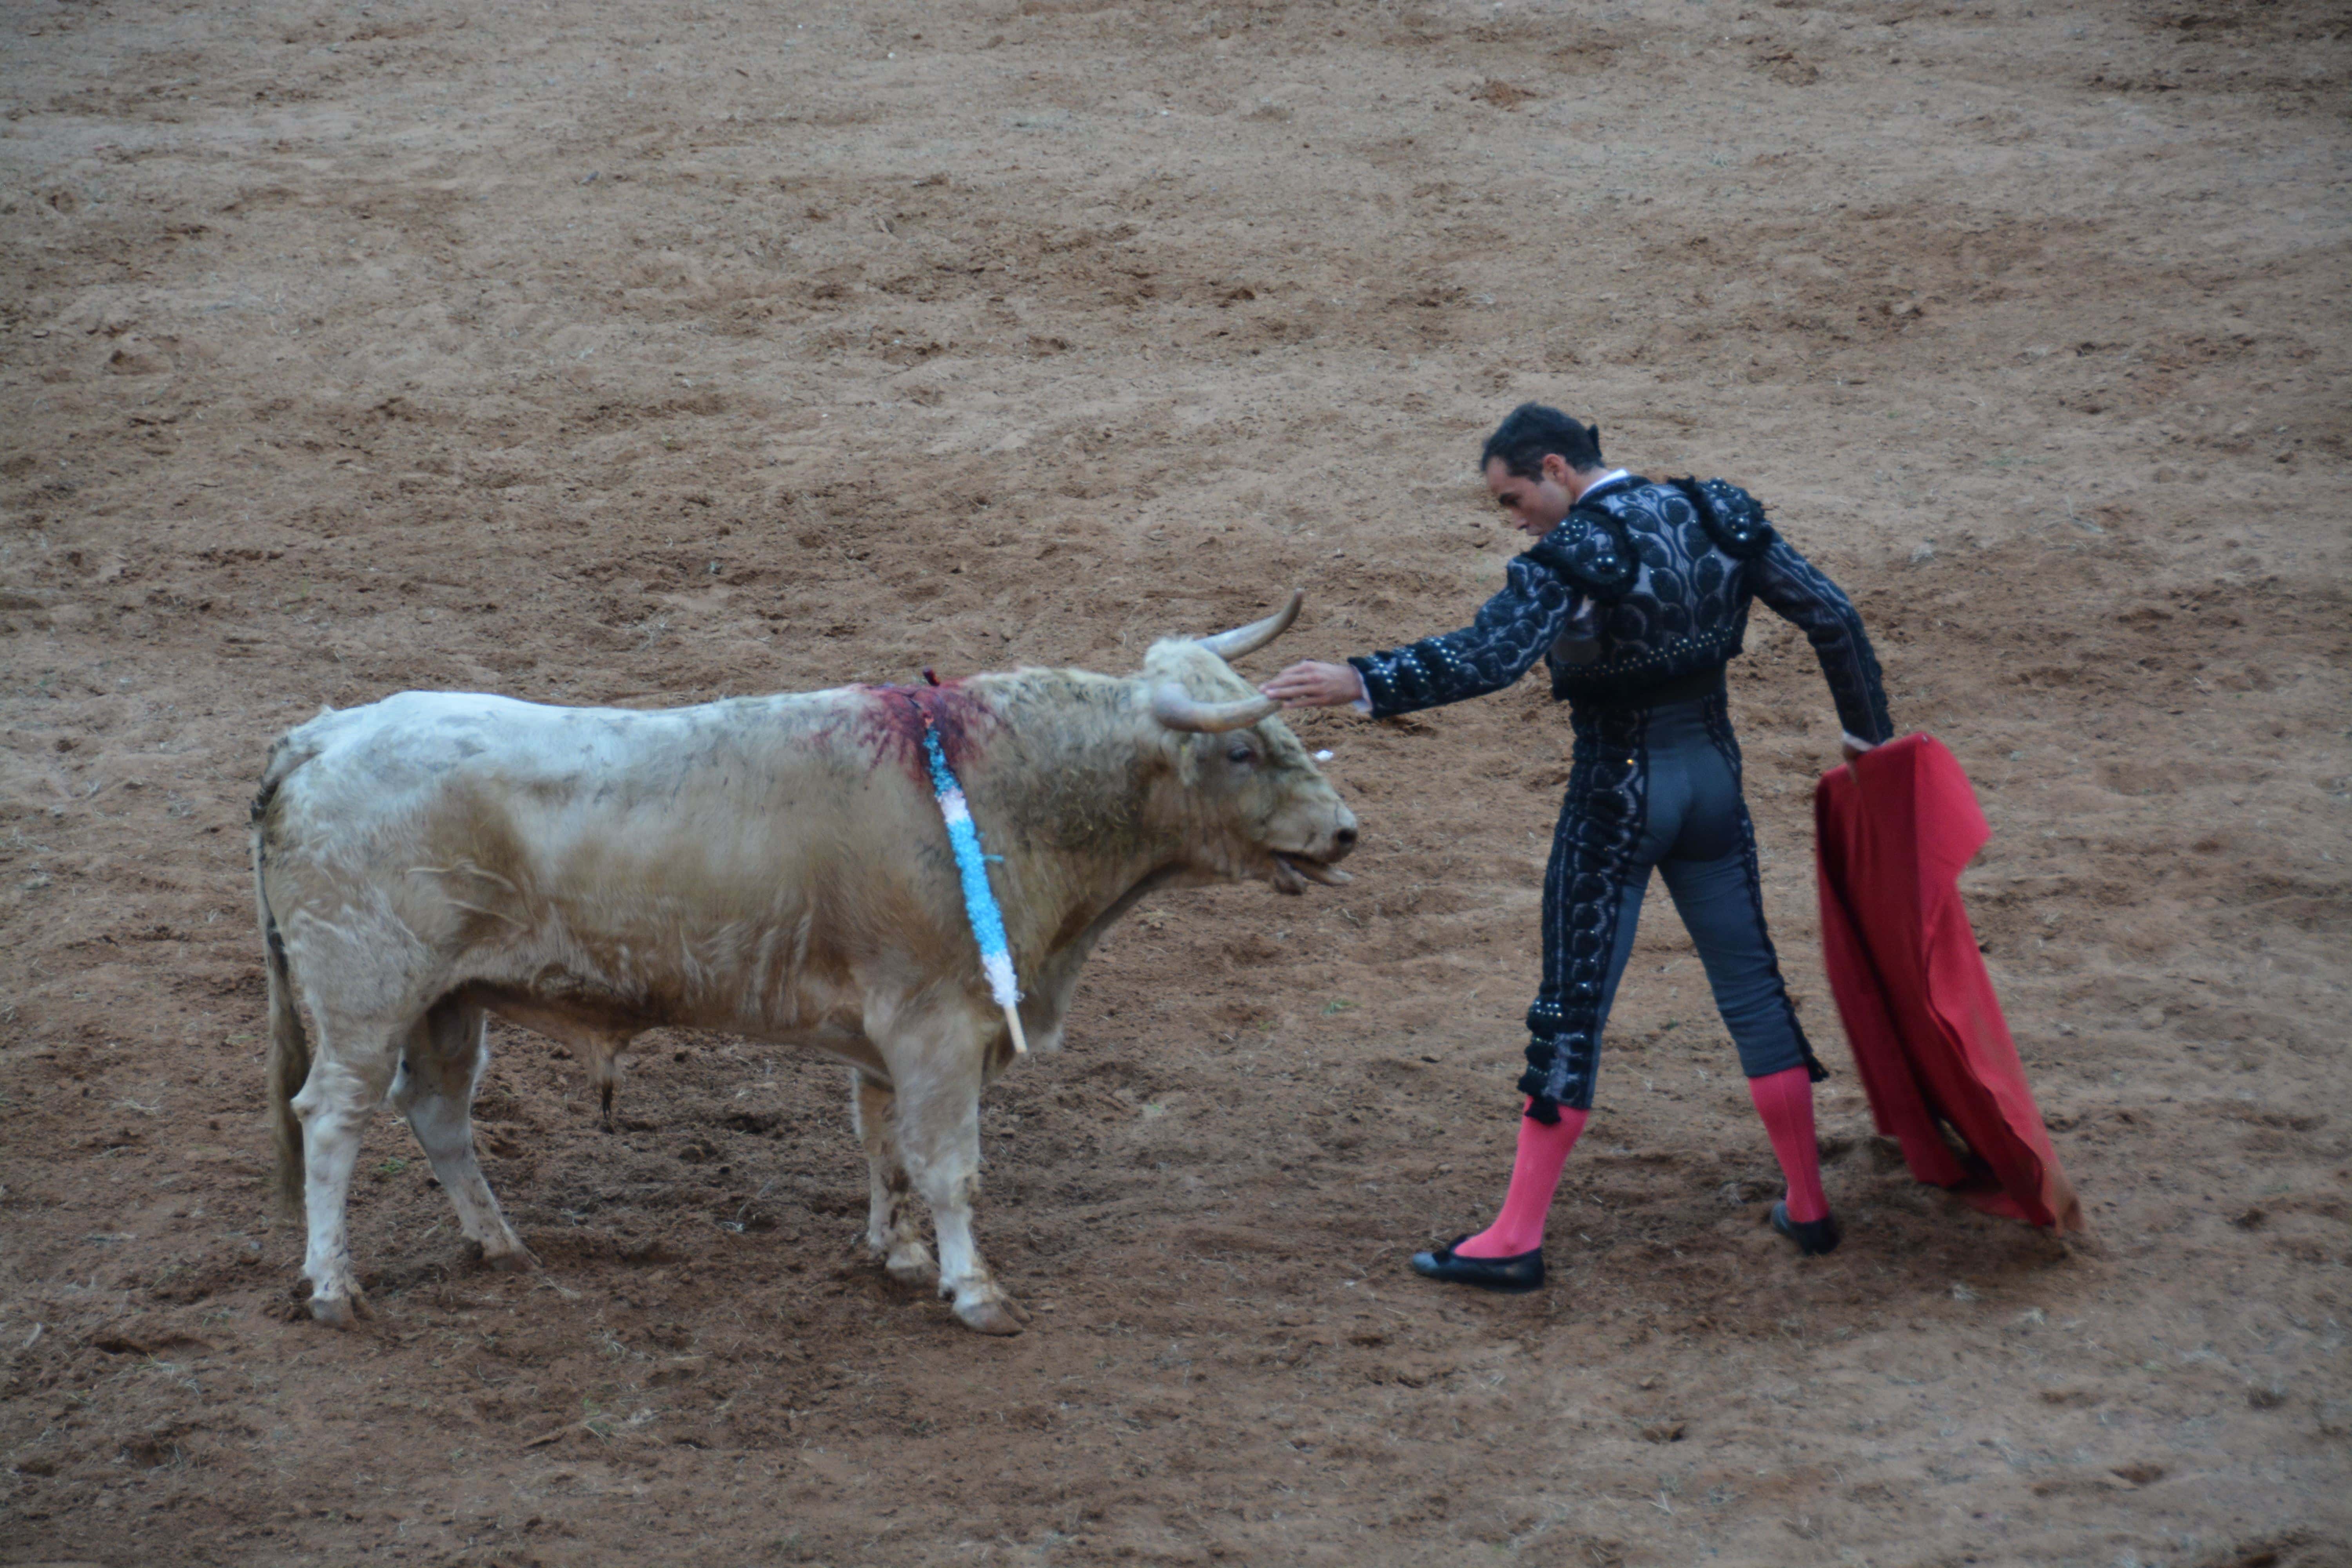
{"points": [[1180, 709], [1230, 646]]}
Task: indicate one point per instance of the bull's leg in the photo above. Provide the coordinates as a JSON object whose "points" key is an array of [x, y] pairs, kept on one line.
{"points": [[604, 1050], [893, 1234], [349, 1074], [443, 1062], [938, 1071]]}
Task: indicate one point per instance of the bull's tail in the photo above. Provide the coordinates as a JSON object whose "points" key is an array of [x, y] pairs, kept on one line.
{"points": [[289, 1045]]}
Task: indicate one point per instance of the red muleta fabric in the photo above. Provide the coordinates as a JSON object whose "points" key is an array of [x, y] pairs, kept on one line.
{"points": [[1892, 832]]}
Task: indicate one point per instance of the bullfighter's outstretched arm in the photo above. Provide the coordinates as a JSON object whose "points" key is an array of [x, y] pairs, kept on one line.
{"points": [[1798, 591], [1510, 633]]}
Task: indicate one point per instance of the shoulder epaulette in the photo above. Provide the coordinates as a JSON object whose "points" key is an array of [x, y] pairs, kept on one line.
{"points": [[1589, 552], [1732, 518]]}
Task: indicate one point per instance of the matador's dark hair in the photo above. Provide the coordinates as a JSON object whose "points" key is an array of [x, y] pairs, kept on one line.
{"points": [[1531, 430]]}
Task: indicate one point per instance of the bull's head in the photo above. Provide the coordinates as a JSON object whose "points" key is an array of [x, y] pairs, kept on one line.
{"points": [[1263, 810]]}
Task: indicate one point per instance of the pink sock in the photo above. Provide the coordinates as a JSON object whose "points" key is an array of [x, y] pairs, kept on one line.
{"points": [[1535, 1174], [1785, 1101]]}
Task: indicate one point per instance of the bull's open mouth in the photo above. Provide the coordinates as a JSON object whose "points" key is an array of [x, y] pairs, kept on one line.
{"points": [[1292, 873]]}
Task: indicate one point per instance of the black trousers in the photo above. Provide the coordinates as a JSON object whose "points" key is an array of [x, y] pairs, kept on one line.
{"points": [[1656, 786]]}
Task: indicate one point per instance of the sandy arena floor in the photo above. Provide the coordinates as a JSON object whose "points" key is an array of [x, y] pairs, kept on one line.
{"points": [[642, 353]]}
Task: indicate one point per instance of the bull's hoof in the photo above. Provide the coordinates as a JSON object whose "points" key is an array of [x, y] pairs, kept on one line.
{"points": [[522, 1261], [912, 1265], [340, 1312], [992, 1315]]}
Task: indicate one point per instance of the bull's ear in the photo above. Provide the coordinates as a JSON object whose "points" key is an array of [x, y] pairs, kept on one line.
{"points": [[1180, 709], [1232, 645]]}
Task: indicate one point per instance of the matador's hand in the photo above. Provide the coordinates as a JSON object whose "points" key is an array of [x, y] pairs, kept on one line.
{"points": [[1312, 684]]}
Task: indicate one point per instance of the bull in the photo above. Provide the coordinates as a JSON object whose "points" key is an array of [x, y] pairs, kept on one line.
{"points": [[772, 867]]}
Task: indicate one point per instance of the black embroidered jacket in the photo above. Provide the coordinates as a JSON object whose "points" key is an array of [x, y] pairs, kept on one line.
{"points": [[1641, 586]]}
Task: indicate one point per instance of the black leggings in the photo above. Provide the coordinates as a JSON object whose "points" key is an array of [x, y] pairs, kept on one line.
{"points": [[1653, 786]]}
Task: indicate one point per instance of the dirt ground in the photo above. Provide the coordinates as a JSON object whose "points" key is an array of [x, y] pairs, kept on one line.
{"points": [[640, 352]]}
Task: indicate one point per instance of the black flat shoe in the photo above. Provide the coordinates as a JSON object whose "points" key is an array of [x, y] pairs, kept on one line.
{"points": [[1512, 1275], [1812, 1237]]}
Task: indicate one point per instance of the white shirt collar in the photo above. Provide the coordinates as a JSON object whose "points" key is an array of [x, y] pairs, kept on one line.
{"points": [[1603, 482]]}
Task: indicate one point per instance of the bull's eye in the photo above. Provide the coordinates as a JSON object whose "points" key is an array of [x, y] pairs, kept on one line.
{"points": [[1240, 755]]}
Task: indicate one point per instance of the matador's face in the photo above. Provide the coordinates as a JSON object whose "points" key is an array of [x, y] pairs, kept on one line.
{"points": [[1536, 505]]}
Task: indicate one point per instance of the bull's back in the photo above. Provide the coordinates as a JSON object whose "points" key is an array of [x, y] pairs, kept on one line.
{"points": [[382, 755]]}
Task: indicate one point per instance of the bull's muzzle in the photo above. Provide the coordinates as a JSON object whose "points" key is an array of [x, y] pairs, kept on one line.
{"points": [[1295, 868]]}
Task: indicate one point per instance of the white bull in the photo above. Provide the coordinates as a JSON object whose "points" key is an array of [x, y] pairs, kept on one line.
{"points": [[773, 867]]}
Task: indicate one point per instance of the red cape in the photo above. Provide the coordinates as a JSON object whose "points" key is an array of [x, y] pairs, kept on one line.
{"points": [[1893, 831]]}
